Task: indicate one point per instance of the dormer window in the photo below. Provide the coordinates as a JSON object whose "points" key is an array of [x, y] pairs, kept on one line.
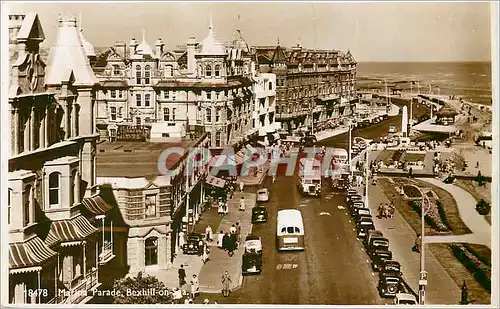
{"points": [[116, 70], [208, 70], [217, 70], [168, 71], [54, 183]]}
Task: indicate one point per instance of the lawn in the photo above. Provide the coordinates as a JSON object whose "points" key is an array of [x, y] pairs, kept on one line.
{"points": [[457, 271], [385, 156], [413, 157], [477, 192]]}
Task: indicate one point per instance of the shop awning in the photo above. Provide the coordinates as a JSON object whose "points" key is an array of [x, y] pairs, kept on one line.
{"points": [[33, 252], [76, 229], [96, 205], [215, 181]]}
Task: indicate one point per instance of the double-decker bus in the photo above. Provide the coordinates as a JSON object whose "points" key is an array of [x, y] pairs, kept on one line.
{"points": [[289, 230], [309, 177]]}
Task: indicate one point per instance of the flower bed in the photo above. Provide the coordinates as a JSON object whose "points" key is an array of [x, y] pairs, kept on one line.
{"points": [[396, 156], [433, 217], [480, 270], [412, 192]]}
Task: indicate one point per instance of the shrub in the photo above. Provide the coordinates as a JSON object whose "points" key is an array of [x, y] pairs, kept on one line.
{"points": [[483, 207], [432, 218]]}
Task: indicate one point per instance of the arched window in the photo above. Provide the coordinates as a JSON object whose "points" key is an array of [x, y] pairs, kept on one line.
{"points": [[27, 204], [151, 251], [138, 74], [147, 74], [166, 114], [168, 71], [208, 70], [208, 114], [217, 70], [54, 180]]}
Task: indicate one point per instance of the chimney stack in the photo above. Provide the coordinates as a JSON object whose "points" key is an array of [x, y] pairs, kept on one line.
{"points": [[121, 48], [191, 61], [133, 47], [159, 47]]}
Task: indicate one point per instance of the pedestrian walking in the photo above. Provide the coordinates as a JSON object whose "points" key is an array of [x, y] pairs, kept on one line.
{"points": [[225, 208], [242, 204], [182, 276], [226, 280], [232, 229], [209, 233], [220, 240], [177, 296], [225, 242], [220, 209], [238, 232], [242, 185], [182, 239], [195, 286], [417, 244], [205, 254]]}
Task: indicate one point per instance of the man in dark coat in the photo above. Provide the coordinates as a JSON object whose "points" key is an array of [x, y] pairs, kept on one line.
{"points": [[225, 242], [232, 244]]}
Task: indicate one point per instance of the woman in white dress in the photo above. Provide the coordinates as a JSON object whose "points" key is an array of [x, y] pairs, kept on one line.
{"points": [[219, 239]]}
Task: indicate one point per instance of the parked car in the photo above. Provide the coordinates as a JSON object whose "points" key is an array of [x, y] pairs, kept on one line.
{"points": [[370, 235], [353, 207], [363, 226], [251, 263], [194, 244], [405, 299], [392, 129], [389, 284], [379, 257], [361, 212], [259, 214], [262, 195], [354, 198], [253, 243], [391, 266], [351, 192], [377, 243]]}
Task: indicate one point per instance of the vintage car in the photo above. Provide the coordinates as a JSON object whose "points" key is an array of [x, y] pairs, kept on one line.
{"points": [[253, 244], [391, 266], [359, 212], [363, 226], [405, 299], [354, 206], [371, 234], [389, 284], [259, 214], [194, 244], [353, 199], [262, 195], [351, 192], [392, 129], [251, 263], [377, 243], [379, 257]]}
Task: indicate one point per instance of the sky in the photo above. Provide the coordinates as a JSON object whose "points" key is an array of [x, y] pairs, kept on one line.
{"points": [[372, 31]]}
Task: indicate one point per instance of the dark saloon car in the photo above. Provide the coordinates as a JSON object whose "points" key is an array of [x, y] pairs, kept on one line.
{"points": [[259, 214], [391, 266], [354, 199], [389, 284], [377, 243], [360, 212], [353, 207], [251, 264], [362, 227], [379, 258], [194, 244]]}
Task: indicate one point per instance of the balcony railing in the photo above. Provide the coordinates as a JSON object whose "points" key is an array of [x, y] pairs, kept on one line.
{"points": [[85, 284], [106, 254]]}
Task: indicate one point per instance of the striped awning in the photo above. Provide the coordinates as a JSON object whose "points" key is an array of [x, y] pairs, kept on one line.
{"points": [[33, 252], [96, 205], [76, 229]]}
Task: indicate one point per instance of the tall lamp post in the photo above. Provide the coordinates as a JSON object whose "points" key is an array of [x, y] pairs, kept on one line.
{"points": [[422, 283], [350, 148]]}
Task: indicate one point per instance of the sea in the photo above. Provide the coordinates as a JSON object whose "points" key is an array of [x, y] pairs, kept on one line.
{"points": [[470, 80]]}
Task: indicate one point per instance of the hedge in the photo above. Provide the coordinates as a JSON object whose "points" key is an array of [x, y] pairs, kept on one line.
{"points": [[481, 271]]}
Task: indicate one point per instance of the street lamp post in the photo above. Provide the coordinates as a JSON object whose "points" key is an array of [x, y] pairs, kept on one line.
{"points": [[422, 283], [367, 170], [350, 148]]}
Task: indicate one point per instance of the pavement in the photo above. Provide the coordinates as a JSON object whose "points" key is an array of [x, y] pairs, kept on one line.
{"points": [[211, 273], [473, 155], [466, 203], [330, 133], [441, 288]]}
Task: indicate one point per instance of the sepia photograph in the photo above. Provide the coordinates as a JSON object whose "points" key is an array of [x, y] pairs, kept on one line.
{"points": [[249, 153]]}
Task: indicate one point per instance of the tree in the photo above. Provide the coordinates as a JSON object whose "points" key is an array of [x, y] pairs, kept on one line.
{"points": [[483, 207], [139, 290]]}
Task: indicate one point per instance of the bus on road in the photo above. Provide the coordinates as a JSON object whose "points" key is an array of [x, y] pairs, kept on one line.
{"points": [[290, 230], [309, 177]]}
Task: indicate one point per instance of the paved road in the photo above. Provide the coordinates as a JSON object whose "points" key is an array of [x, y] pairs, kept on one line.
{"points": [[333, 269]]}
